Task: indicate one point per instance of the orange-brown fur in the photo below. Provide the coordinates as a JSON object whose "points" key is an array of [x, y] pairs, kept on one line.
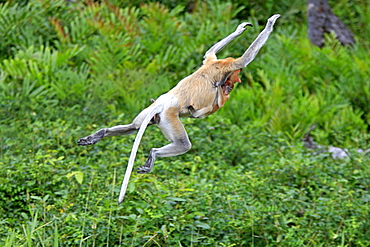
{"points": [[226, 89], [198, 89]]}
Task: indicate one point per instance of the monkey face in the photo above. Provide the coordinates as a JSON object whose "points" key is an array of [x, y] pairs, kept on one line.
{"points": [[234, 77], [231, 80]]}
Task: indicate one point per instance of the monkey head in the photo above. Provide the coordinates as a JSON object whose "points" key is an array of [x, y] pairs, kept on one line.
{"points": [[230, 81]]}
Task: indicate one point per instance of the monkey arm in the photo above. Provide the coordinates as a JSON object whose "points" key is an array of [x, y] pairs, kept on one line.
{"points": [[201, 113], [254, 48], [211, 53]]}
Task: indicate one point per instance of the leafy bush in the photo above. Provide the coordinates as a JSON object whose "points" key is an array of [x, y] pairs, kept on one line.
{"points": [[302, 84], [256, 189], [86, 50]]}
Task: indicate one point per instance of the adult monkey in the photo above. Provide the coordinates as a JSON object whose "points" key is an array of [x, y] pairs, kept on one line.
{"points": [[197, 95]]}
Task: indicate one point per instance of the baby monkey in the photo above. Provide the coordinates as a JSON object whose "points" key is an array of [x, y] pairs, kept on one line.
{"points": [[197, 95]]}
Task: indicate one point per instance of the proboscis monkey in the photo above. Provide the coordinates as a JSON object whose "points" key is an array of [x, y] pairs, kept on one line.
{"points": [[197, 95]]}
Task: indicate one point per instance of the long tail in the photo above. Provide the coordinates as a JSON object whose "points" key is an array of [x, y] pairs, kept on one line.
{"points": [[144, 124]]}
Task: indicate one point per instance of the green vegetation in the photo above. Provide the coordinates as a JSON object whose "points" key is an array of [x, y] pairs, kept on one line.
{"points": [[68, 68]]}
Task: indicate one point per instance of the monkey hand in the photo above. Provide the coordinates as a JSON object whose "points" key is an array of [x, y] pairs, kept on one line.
{"points": [[242, 27], [155, 120], [272, 19], [191, 111], [92, 139]]}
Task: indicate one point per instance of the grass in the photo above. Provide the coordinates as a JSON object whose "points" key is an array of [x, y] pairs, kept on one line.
{"points": [[262, 189], [247, 181]]}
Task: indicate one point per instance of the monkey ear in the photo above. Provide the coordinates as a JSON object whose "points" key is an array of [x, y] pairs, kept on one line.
{"points": [[254, 48]]}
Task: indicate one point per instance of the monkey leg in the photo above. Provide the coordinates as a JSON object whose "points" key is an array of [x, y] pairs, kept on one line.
{"points": [[112, 131], [173, 129], [118, 130]]}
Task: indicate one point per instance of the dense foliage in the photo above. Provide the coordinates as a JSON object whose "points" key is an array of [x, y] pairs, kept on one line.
{"points": [[68, 68]]}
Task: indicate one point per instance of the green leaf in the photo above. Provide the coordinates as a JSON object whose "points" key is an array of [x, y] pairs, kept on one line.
{"points": [[202, 225], [176, 199], [79, 177]]}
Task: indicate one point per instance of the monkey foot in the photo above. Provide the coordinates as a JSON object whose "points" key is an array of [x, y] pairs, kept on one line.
{"points": [[144, 169], [91, 139], [147, 167]]}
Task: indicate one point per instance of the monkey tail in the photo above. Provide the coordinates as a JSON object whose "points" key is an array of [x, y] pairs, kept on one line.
{"points": [[157, 109]]}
